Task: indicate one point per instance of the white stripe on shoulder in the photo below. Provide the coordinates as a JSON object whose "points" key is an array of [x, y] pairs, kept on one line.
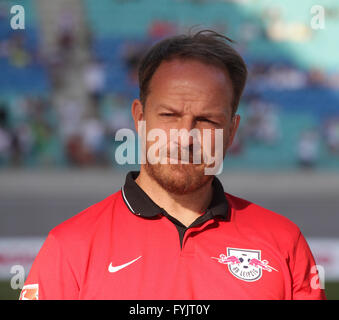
{"points": [[123, 195]]}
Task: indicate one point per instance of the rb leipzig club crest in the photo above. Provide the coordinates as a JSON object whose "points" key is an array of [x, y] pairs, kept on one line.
{"points": [[245, 264]]}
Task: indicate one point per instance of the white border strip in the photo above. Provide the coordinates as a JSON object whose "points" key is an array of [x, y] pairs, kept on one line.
{"points": [[124, 197]]}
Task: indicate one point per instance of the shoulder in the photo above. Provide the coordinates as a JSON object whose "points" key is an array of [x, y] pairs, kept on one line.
{"points": [[261, 220], [86, 222]]}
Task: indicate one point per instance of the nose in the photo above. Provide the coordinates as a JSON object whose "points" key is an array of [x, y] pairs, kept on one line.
{"points": [[186, 125]]}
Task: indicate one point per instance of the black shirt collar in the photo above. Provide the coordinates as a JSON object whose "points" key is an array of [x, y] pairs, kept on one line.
{"points": [[141, 204]]}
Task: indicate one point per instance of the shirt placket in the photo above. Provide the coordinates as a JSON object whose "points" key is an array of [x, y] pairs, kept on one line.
{"points": [[188, 243]]}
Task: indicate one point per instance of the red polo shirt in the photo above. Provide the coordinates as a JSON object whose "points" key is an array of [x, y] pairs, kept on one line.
{"points": [[127, 247]]}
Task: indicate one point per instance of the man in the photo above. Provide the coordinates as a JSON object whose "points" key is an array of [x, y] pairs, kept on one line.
{"points": [[172, 232]]}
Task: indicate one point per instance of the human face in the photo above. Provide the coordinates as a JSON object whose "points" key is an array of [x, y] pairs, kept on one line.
{"points": [[187, 94]]}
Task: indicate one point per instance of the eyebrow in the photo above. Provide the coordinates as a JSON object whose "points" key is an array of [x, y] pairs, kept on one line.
{"points": [[205, 115], [164, 106]]}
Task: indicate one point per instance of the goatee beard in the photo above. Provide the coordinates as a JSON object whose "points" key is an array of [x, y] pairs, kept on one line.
{"points": [[178, 179]]}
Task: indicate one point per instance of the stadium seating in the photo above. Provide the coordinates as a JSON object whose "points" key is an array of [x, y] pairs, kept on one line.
{"points": [[318, 101], [114, 24], [31, 78]]}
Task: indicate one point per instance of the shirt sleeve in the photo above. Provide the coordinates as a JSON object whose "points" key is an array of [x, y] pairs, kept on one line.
{"points": [[306, 284], [51, 276]]}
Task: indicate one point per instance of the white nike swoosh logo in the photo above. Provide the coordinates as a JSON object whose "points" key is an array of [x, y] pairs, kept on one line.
{"points": [[117, 268]]}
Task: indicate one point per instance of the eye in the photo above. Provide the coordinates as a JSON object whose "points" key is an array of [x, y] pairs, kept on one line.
{"points": [[205, 120], [167, 114]]}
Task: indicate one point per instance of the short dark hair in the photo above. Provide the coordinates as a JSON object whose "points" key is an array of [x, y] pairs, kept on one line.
{"points": [[207, 46]]}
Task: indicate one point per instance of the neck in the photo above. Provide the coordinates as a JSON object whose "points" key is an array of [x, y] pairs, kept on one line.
{"points": [[186, 207]]}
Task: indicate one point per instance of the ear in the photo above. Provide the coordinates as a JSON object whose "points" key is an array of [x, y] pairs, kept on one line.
{"points": [[233, 129], [137, 112]]}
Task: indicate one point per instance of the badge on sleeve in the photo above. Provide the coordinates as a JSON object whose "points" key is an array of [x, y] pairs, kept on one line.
{"points": [[30, 292]]}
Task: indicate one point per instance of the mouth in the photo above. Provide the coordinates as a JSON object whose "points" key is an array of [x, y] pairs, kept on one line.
{"points": [[182, 161]]}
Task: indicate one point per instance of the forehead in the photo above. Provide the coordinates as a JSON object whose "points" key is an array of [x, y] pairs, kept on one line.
{"points": [[191, 80]]}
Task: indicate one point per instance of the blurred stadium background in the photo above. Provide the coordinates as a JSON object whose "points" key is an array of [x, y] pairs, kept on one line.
{"points": [[66, 85]]}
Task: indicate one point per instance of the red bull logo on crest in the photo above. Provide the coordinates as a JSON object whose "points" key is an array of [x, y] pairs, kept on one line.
{"points": [[245, 264]]}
